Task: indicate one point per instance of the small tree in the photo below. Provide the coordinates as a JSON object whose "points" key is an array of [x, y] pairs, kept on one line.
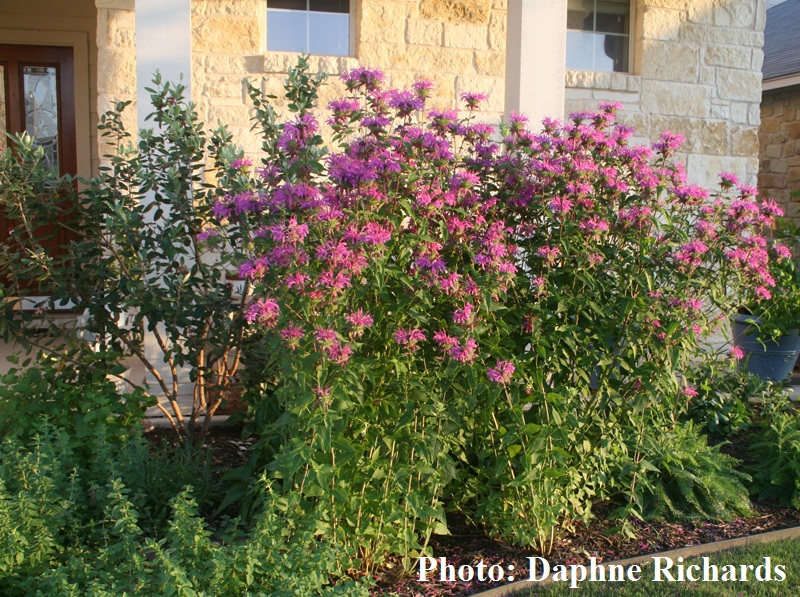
{"points": [[136, 264]]}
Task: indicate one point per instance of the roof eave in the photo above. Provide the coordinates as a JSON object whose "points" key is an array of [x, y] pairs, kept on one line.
{"points": [[781, 82]]}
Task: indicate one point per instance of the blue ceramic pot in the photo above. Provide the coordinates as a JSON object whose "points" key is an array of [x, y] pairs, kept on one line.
{"points": [[771, 360]]}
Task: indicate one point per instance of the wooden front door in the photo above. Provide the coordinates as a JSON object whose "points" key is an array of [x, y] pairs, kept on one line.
{"points": [[37, 96]]}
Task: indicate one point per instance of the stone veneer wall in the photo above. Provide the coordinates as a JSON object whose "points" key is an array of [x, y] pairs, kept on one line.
{"points": [[458, 44], [116, 60], [697, 72], [779, 140], [696, 66]]}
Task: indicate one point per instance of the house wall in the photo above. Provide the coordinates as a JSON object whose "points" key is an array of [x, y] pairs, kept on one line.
{"points": [[458, 44], [69, 24], [697, 72], [696, 66], [779, 140], [116, 52]]}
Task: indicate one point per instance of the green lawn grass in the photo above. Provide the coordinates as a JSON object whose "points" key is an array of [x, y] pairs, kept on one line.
{"points": [[785, 553]]}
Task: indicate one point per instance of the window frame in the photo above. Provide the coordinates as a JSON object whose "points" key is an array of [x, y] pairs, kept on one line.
{"points": [[352, 46], [633, 42]]}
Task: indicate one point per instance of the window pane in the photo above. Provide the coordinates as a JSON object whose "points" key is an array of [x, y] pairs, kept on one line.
{"points": [[341, 6], [287, 4], [580, 49], [612, 17], [41, 109], [580, 15], [3, 125], [610, 53], [287, 30], [329, 33]]}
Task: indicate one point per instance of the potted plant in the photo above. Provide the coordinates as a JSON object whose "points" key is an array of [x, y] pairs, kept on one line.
{"points": [[765, 331]]}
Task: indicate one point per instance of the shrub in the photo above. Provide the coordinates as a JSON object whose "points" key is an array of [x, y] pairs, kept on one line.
{"points": [[50, 392], [134, 264], [467, 319], [500, 323], [776, 450]]}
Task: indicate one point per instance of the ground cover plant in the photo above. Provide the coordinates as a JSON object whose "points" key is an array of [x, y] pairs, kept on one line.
{"points": [[436, 316]]}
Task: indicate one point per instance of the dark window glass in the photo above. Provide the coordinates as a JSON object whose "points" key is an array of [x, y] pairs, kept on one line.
{"points": [[312, 26], [598, 35]]}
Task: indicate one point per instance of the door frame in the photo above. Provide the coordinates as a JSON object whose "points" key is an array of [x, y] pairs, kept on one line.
{"points": [[79, 42]]}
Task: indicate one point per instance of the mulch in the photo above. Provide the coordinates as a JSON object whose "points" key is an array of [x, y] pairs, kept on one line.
{"points": [[467, 544]]}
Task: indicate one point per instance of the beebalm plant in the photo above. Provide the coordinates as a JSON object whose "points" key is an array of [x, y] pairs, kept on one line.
{"points": [[775, 304], [134, 264], [499, 325]]}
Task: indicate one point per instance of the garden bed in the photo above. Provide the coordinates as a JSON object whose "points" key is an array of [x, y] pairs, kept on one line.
{"points": [[467, 544]]}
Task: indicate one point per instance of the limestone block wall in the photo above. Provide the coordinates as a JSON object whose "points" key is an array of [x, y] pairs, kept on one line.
{"points": [[697, 72], [458, 44], [779, 142], [116, 61]]}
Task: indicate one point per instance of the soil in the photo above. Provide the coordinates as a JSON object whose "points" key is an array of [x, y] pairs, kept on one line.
{"points": [[469, 545]]}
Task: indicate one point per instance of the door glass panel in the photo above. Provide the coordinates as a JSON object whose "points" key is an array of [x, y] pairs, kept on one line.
{"points": [[3, 125], [41, 109]]}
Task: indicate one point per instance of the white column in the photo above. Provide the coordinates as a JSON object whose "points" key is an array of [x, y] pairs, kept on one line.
{"points": [[536, 55], [163, 43]]}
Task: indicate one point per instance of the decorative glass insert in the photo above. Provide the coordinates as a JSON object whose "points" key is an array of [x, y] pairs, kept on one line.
{"points": [[310, 26], [598, 35], [3, 125], [41, 109]]}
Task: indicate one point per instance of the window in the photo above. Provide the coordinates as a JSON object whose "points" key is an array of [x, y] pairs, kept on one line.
{"points": [[598, 35], [310, 26]]}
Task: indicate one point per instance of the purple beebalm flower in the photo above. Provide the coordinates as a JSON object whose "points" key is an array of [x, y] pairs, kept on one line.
{"points": [[548, 253], [465, 315], [360, 321], [501, 373], [207, 233], [291, 335], [782, 251], [473, 100], [405, 102], [691, 195], [409, 337], [444, 340], [362, 76], [298, 279], [374, 234], [763, 293], [737, 353], [466, 353], [771, 208], [241, 163], [264, 312], [727, 180], [689, 391], [344, 106], [423, 88], [560, 205], [594, 225], [668, 142], [339, 353], [609, 106], [325, 336]]}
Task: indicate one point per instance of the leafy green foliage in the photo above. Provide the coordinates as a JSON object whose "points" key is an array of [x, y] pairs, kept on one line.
{"points": [[722, 402], [134, 264], [51, 392], [776, 450], [72, 527], [428, 317], [683, 477]]}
